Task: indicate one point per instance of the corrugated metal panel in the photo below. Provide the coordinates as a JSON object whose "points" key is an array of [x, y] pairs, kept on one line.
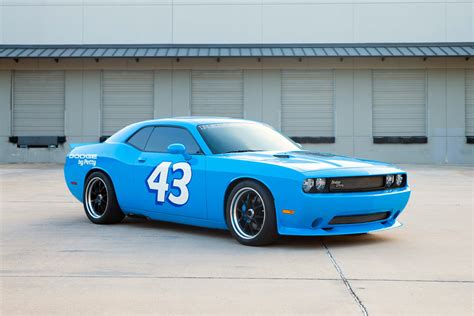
{"points": [[217, 93], [127, 97], [399, 102], [38, 103], [239, 50], [307, 98], [469, 82]]}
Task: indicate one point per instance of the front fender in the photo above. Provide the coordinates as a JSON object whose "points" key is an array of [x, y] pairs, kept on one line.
{"points": [[221, 173]]}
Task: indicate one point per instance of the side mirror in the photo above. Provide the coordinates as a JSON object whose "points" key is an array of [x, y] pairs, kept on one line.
{"points": [[179, 149]]}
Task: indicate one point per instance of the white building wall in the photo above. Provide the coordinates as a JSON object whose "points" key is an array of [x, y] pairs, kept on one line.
{"points": [[262, 102], [234, 21]]}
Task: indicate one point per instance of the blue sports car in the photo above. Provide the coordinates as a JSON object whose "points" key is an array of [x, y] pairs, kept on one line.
{"points": [[232, 174]]}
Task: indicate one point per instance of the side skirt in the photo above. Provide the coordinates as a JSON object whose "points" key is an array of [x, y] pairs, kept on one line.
{"points": [[178, 219]]}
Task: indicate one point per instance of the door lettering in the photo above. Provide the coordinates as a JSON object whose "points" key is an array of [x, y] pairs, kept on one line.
{"points": [[162, 186]]}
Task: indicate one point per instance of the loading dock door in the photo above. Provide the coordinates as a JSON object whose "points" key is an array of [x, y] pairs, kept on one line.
{"points": [[307, 98], [217, 93], [38, 103], [399, 102], [127, 97]]}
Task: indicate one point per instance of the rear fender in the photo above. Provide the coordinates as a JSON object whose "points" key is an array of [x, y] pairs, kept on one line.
{"points": [[79, 161]]}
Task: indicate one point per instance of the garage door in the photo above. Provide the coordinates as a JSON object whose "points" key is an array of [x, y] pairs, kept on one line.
{"points": [[469, 102], [217, 93], [307, 99], [127, 97], [38, 103], [399, 102]]}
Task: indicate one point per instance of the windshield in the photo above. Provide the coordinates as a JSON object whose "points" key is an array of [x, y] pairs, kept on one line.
{"points": [[243, 137]]}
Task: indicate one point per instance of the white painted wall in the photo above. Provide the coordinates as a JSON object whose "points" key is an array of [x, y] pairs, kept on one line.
{"points": [[262, 102], [234, 21]]}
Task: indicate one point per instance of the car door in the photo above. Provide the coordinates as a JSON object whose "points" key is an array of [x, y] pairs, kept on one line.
{"points": [[169, 183]]}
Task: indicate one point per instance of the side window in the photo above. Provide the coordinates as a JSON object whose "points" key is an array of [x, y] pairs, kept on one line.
{"points": [[163, 136], [140, 138]]}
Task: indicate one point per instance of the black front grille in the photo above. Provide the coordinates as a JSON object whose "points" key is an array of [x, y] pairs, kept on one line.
{"points": [[356, 184], [357, 219]]}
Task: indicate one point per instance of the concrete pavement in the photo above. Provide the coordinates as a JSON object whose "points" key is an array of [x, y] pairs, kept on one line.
{"points": [[54, 261]]}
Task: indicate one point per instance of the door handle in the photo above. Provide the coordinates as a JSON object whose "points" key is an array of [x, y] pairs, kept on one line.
{"points": [[141, 159]]}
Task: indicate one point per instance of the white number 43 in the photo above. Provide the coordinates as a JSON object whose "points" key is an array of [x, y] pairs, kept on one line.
{"points": [[162, 186]]}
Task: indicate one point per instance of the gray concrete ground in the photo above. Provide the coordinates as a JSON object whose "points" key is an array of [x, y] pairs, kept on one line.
{"points": [[54, 261]]}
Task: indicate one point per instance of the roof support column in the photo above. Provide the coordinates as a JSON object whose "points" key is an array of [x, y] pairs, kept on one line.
{"points": [[344, 110], [253, 94], [163, 93], [181, 93], [271, 97]]}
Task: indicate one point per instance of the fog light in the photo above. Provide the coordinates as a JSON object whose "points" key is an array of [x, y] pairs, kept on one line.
{"points": [[308, 184], [389, 180], [399, 180], [320, 184]]}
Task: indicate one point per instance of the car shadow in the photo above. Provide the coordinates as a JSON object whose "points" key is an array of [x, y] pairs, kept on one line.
{"points": [[356, 240], [332, 241], [290, 242], [175, 228]]}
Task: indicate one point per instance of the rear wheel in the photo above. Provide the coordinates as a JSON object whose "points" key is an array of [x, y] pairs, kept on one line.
{"points": [[100, 202], [250, 214]]}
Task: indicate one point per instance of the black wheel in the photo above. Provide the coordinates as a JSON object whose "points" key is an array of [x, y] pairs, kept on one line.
{"points": [[100, 202], [250, 214]]}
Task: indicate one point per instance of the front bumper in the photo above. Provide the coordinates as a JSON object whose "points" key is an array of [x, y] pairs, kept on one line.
{"points": [[314, 212]]}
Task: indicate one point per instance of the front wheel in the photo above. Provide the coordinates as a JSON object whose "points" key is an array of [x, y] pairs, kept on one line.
{"points": [[250, 214], [100, 202]]}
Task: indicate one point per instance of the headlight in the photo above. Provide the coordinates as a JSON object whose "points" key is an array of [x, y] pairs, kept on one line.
{"points": [[314, 185], [389, 180], [399, 180], [320, 184], [308, 184]]}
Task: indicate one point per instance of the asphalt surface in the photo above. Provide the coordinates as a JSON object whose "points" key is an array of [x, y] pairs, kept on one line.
{"points": [[54, 261]]}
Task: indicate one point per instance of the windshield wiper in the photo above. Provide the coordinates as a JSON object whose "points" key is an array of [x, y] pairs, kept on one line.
{"points": [[241, 151]]}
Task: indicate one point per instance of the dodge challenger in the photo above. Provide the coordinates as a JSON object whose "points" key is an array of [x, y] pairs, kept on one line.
{"points": [[232, 174]]}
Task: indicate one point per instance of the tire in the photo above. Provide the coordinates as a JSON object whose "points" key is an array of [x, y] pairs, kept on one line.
{"points": [[99, 200], [250, 214]]}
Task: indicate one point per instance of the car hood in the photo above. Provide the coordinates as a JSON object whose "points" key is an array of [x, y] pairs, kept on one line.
{"points": [[306, 161]]}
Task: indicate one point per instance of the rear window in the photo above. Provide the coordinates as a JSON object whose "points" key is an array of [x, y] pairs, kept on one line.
{"points": [[140, 138]]}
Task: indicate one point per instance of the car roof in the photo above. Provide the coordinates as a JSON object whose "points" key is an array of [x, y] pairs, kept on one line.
{"points": [[183, 121], [194, 120]]}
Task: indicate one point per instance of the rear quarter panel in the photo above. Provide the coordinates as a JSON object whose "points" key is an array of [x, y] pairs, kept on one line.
{"points": [[112, 158], [79, 161], [83, 159]]}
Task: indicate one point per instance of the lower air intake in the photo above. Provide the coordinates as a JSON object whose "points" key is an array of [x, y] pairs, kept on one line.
{"points": [[357, 219]]}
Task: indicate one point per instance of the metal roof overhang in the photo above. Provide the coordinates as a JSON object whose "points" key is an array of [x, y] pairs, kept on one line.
{"points": [[239, 50]]}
